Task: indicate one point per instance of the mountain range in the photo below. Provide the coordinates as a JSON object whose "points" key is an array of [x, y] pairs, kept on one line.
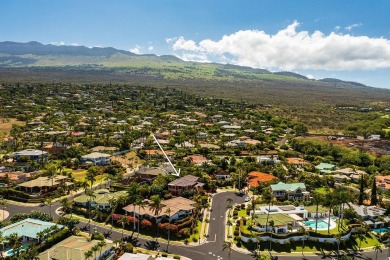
{"points": [[40, 63]]}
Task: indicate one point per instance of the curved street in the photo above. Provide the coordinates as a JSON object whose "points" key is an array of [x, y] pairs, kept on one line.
{"points": [[210, 249]]}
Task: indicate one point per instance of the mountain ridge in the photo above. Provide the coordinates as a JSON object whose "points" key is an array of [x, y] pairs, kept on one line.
{"points": [[35, 54]]}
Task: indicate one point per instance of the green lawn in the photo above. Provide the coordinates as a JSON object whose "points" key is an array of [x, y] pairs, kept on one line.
{"points": [[80, 174]]}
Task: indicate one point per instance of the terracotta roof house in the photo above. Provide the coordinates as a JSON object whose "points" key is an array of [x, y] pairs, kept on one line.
{"points": [[255, 178], [180, 207], [196, 159], [383, 182], [290, 191], [298, 162], [188, 182]]}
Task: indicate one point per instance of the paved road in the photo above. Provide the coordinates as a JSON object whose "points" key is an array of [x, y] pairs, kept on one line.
{"points": [[212, 249]]}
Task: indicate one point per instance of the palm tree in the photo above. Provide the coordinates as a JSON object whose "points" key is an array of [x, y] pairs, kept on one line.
{"points": [[228, 246], [141, 204], [330, 200], [94, 249], [168, 212], [92, 172], [88, 254], [317, 199], [267, 196], [15, 242], [303, 231], [338, 238], [156, 206], [113, 203], [49, 202], [90, 195], [124, 221], [102, 244], [377, 249], [272, 224], [1, 241]]}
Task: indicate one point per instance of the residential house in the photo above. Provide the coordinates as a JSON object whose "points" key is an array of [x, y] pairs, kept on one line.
{"points": [[179, 208], [370, 214], [45, 184], [383, 182], [196, 159], [101, 198], [32, 155], [186, 183], [148, 174], [74, 247], [222, 175], [255, 178], [290, 191], [96, 158], [297, 162], [28, 229], [325, 167]]}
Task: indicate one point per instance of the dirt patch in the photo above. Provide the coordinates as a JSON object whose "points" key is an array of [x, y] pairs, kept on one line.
{"points": [[6, 124], [130, 159]]}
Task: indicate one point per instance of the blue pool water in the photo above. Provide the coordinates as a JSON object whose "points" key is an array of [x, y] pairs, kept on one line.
{"points": [[320, 224], [12, 252], [380, 230]]}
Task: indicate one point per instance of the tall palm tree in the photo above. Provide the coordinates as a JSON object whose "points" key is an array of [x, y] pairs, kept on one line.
{"points": [[330, 201], [338, 238], [88, 254], [317, 199], [303, 231], [15, 242], [268, 197], [49, 202], [377, 249], [228, 246], [113, 203], [168, 212], [123, 221], [272, 224], [90, 195], [156, 205], [94, 249], [1, 241], [141, 204], [102, 244]]}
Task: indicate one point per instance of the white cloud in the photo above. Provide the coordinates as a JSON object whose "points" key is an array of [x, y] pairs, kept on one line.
{"points": [[150, 48], [350, 27], [288, 49], [337, 28], [136, 49], [309, 76], [61, 43]]}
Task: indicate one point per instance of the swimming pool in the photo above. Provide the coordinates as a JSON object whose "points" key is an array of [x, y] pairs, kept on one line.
{"points": [[380, 230], [320, 224], [12, 252]]}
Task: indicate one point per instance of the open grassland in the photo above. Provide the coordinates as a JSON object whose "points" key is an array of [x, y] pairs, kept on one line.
{"points": [[131, 159], [80, 174], [6, 124]]}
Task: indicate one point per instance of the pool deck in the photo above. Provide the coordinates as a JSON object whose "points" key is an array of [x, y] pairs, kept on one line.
{"points": [[332, 224]]}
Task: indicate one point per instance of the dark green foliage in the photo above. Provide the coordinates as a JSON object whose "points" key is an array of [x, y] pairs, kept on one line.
{"points": [[33, 214]]}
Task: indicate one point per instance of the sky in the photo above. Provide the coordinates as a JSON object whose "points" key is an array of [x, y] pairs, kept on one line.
{"points": [[345, 39]]}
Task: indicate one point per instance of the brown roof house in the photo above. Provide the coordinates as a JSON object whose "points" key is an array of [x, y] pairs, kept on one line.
{"points": [[188, 182], [179, 208]]}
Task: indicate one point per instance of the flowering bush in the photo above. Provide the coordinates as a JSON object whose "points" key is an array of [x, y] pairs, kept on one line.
{"points": [[146, 223], [166, 226]]}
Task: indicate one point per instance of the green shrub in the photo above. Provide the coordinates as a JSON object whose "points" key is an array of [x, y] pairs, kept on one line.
{"points": [[164, 254], [128, 248], [176, 257], [194, 239]]}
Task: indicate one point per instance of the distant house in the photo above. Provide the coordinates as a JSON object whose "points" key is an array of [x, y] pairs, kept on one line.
{"points": [[96, 158], [383, 182], [27, 229], [255, 178], [290, 191], [325, 167], [185, 145], [201, 135], [186, 183], [196, 159], [32, 155], [297, 162], [222, 175], [148, 174], [180, 207]]}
